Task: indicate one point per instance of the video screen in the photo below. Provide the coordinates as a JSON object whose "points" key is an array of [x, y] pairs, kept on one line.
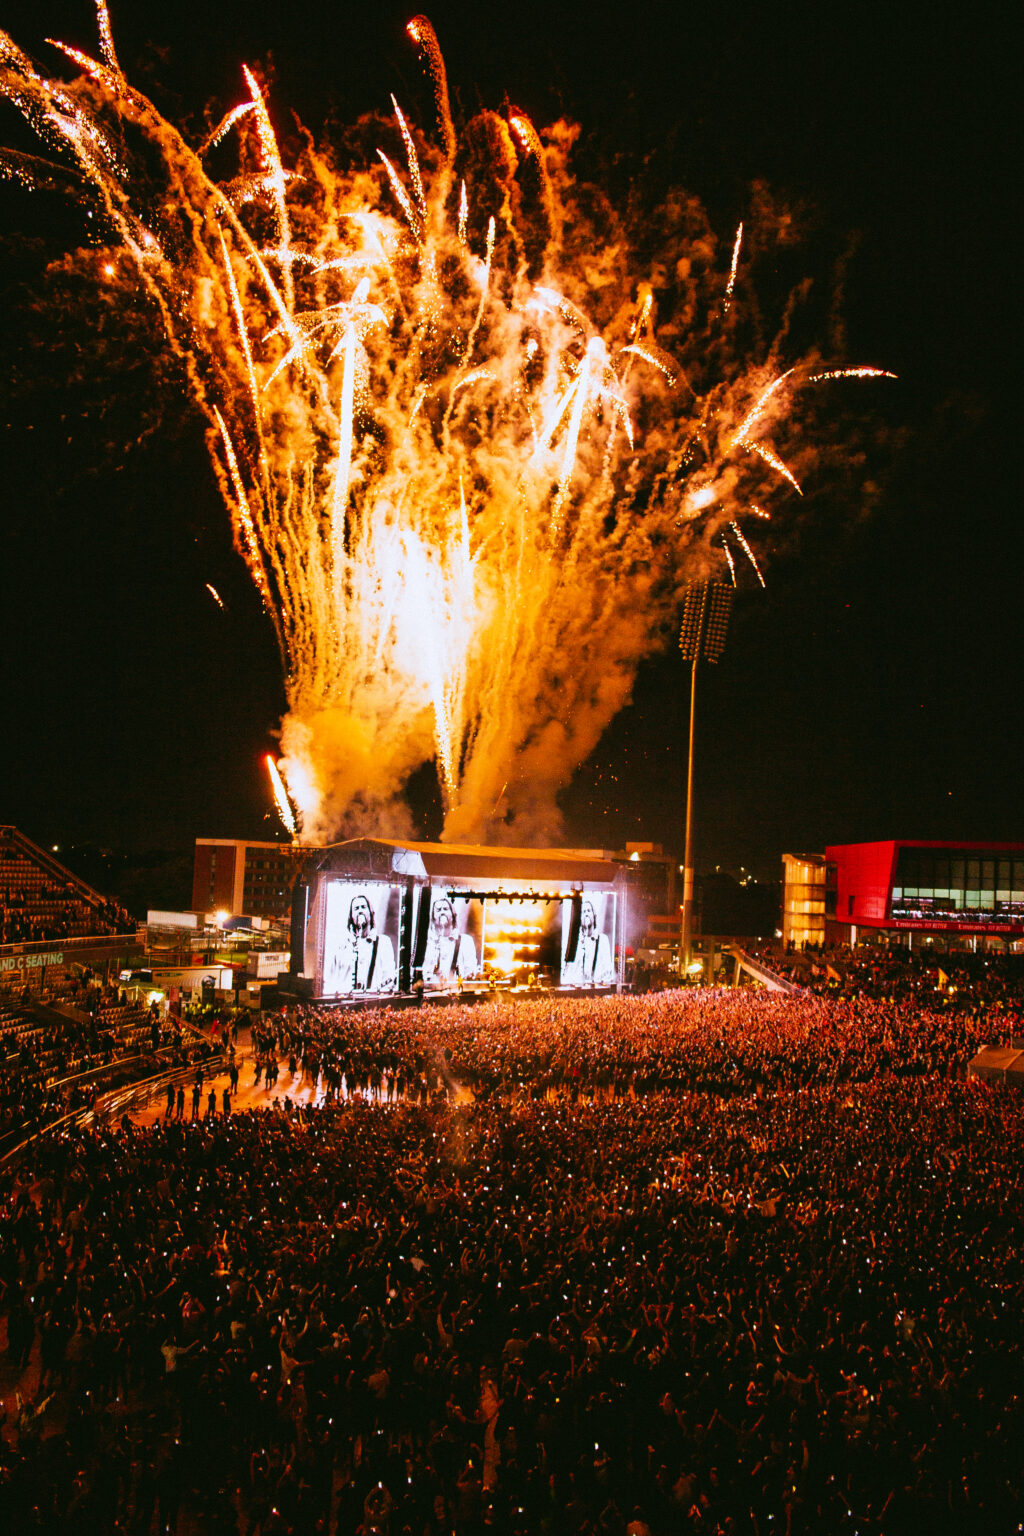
{"points": [[449, 939], [361, 938], [588, 940]]}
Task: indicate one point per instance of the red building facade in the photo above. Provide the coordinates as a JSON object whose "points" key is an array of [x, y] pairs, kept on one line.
{"points": [[902, 888]]}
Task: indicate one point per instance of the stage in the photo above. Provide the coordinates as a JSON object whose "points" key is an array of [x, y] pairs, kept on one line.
{"points": [[375, 921]]}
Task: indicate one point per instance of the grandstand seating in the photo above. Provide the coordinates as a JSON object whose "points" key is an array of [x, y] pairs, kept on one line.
{"points": [[45, 1053], [58, 1023], [40, 900]]}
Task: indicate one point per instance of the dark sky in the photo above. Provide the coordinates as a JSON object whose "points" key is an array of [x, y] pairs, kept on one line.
{"points": [[872, 690]]}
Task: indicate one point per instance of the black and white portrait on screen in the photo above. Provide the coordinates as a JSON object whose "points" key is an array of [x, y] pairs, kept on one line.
{"points": [[593, 964], [450, 953], [359, 952]]}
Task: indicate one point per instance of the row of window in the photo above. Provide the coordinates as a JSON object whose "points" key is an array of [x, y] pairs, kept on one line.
{"points": [[946, 896], [918, 870]]}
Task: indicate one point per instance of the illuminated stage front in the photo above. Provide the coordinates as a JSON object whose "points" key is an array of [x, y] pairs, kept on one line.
{"points": [[374, 918]]}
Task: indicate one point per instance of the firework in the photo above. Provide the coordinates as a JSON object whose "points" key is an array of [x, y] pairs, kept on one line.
{"points": [[467, 480], [281, 797], [741, 540], [730, 285]]}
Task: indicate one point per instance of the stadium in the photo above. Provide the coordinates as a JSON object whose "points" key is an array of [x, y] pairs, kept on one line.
{"points": [[397, 495]]}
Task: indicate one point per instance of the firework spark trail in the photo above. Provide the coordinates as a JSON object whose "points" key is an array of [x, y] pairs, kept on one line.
{"points": [[423, 34], [730, 285], [281, 797], [413, 159], [752, 417], [456, 460], [772, 459], [106, 36], [742, 542], [850, 373], [401, 194]]}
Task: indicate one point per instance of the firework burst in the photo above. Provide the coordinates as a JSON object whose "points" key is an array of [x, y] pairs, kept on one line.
{"points": [[467, 462]]}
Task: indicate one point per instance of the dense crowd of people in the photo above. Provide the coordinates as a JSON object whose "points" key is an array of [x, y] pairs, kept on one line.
{"points": [[954, 981], [705, 1261], [744, 1040]]}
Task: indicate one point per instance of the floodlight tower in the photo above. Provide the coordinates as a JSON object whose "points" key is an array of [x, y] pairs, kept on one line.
{"points": [[706, 609]]}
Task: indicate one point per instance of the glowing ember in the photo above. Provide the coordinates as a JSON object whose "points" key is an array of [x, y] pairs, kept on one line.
{"points": [[467, 481]]}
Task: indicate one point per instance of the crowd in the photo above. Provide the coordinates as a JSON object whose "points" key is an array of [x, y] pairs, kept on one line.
{"points": [[700, 1262], [41, 902], [556, 1044], [955, 981]]}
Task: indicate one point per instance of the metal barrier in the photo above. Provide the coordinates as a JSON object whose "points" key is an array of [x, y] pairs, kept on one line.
{"points": [[65, 1085], [108, 1069], [125, 1099], [136, 1096], [77, 941], [762, 973], [80, 1116]]}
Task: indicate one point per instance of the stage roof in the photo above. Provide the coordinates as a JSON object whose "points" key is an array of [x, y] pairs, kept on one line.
{"points": [[470, 862]]}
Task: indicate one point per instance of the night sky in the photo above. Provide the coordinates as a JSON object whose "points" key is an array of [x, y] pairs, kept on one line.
{"points": [[871, 691]]}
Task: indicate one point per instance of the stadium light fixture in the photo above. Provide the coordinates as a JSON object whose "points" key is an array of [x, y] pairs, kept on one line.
{"points": [[706, 609]]}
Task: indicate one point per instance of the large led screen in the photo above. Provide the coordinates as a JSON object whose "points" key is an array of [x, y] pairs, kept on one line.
{"points": [[361, 938], [449, 939], [588, 940]]}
